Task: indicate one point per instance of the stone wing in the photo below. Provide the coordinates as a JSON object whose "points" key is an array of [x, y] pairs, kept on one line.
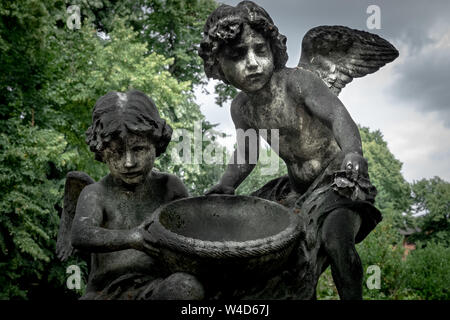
{"points": [[75, 182], [338, 54]]}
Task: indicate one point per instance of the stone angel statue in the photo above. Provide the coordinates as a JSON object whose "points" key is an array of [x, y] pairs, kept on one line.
{"points": [[328, 181], [109, 219]]}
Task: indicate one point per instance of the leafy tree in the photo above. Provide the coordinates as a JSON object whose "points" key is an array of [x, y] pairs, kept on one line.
{"points": [[224, 93], [431, 211], [31, 156], [426, 273], [49, 80], [31, 160], [385, 173], [383, 246], [100, 65], [23, 55], [197, 173], [172, 28]]}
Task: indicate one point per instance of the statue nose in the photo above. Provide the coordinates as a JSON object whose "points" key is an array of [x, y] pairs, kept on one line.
{"points": [[252, 63], [130, 160]]}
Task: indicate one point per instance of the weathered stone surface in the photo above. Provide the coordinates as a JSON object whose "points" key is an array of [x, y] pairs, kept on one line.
{"points": [[327, 182], [148, 240]]}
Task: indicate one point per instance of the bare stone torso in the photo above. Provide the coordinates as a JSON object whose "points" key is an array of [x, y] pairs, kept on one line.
{"points": [[305, 143], [124, 210]]}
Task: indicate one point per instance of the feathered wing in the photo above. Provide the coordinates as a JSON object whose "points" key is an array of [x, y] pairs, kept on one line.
{"points": [[75, 182], [338, 54]]}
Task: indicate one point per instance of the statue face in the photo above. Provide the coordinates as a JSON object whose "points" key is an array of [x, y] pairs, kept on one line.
{"points": [[248, 64], [130, 159]]}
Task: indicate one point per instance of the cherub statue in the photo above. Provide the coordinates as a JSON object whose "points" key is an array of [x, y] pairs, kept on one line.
{"points": [[109, 218], [327, 181]]}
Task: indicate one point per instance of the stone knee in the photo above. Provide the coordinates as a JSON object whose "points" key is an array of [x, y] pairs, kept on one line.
{"points": [[179, 286]]}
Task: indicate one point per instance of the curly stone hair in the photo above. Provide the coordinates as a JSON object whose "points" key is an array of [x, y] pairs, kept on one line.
{"points": [[116, 114], [225, 25]]}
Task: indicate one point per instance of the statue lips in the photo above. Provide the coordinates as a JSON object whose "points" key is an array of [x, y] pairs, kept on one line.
{"points": [[254, 76], [133, 174]]}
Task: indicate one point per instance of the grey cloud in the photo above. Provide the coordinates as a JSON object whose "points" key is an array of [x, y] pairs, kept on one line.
{"points": [[408, 20], [425, 81]]}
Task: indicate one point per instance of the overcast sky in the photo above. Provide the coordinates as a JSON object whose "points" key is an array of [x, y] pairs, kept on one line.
{"points": [[408, 100]]}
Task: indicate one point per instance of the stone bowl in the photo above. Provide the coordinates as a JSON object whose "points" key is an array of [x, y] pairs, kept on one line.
{"points": [[224, 237]]}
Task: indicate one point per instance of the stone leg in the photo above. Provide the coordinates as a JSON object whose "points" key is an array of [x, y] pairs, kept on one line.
{"points": [[338, 239], [179, 286]]}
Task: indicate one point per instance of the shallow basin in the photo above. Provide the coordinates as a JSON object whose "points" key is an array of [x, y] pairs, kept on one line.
{"points": [[225, 237]]}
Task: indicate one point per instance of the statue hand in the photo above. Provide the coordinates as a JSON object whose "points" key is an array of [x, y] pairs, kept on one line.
{"points": [[220, 189], [143, 240], [355, 166]]}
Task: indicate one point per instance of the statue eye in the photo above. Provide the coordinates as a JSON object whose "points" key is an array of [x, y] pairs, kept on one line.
{"points": [[261, 49], [138, 148], [115, 152], [235, 53]]}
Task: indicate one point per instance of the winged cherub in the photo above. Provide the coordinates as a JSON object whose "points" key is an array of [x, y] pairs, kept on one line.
{"points": [[109, 218], [327, 177]]}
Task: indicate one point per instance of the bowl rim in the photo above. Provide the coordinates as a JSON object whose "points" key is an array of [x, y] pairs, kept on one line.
{"points": [[225, 249]]}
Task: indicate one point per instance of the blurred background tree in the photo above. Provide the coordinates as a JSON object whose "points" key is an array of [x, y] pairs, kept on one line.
{"points": [[430, 212]]}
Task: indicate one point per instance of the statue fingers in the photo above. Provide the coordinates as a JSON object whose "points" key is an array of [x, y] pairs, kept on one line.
{"points": [[220, 189], [149, 238], [151, 250], [148, 223]]}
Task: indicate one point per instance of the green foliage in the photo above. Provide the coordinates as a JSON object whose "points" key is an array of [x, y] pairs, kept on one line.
{"points": [[198, 176], [31, 162], [172, 28], [385, 173], [50, 78], [326, 289], [23, 58], [118, 63], [431, 201], [383, 248], [224, 93], [426, 272]]}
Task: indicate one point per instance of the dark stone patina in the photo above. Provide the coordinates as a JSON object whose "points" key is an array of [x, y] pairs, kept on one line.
{"points": [[327, 182], [112, 215], [228, 242], [148, 240]]}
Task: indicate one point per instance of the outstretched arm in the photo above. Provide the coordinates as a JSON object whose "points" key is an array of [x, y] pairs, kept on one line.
{"points": [[245, 155], [325, 105], [89, 235]]}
